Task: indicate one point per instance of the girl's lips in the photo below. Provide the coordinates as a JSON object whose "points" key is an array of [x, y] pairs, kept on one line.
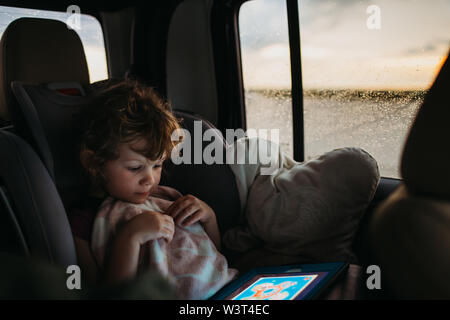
{"points": [[143, 193]]}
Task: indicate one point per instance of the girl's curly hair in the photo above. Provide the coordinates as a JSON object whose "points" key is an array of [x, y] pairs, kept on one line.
{"points": [[121, 113]]}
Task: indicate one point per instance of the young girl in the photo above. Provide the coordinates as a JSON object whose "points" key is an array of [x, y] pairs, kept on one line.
{"points": [[128, 223]]}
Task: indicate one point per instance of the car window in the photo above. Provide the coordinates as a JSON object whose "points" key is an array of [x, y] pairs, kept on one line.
{"points": [[365, 71], [88, 29], [264, 39]]}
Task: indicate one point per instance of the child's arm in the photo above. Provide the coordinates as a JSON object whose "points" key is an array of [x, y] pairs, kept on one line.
{"points": [[124, 256], [123, 260], [121, 266]]}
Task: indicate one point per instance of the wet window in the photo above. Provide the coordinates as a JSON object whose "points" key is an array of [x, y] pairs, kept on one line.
{"points": [[365, 70], [266, 68]]}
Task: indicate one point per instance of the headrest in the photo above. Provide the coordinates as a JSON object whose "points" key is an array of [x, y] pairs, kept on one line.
{"points": [[39, 50], [426, 156]]}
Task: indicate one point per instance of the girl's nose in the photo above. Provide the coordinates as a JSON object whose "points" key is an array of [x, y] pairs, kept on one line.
{"points": [[148, 178]]}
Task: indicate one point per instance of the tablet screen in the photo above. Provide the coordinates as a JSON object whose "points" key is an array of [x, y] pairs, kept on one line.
{"points": [[288, 282], [284, 286]]}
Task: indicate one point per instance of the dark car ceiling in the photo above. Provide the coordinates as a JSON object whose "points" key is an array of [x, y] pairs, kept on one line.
{"points": [[87, 6], [90, 7]]}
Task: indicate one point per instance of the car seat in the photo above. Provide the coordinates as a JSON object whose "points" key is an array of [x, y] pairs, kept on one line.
{"points": [[41, 114], [34, 50], [410, 231], [33, 219]]}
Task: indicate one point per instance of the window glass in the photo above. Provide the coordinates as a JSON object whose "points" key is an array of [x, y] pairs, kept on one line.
{"points": [[366, 67], [263, 31], [90, 33]]}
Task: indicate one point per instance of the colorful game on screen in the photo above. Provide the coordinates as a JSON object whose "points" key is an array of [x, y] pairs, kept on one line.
{"points": [[276, 287]]}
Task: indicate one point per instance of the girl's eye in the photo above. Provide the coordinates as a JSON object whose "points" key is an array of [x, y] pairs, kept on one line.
{"points": [[158, 165], [134, 168]]}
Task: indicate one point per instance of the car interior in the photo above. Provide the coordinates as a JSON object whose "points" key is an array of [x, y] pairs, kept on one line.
{"points": [[189, 51]]}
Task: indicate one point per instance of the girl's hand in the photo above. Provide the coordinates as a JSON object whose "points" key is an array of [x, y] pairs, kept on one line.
{"points": [[188, 209], [149, 225]]}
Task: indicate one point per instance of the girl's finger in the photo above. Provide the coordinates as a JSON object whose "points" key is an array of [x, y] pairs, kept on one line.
{"points": [[192, 219], [168, 232], [167, 236], [171, 233], [189, 216], [179, 207], [168, 219], [169, 226], [186, 212], [174, 207]]}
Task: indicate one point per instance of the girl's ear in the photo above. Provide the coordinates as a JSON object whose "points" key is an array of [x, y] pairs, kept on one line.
{"points": [[85, 158]]}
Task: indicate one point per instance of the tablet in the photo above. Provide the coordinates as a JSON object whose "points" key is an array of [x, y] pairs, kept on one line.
{"points": [[293, 282]]}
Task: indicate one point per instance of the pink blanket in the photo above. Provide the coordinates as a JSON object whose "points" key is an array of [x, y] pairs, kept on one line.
{"points": [[190, 261]]}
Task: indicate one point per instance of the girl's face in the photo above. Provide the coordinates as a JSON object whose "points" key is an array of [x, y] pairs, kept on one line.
{"points": [[132, 177]]}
